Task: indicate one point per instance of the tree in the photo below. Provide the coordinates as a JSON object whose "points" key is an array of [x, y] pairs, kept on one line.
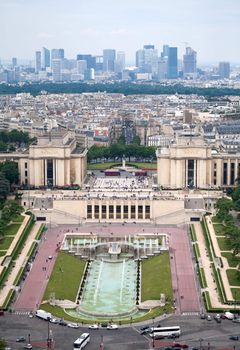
{"points": [[4, 186], [3, 146], [136, 140], [122, 140], [10, 170], [3, 344]]}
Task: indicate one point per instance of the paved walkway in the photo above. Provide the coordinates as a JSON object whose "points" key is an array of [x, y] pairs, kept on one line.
{"points": [[224, 260], [205, 262], [20, 261], [14, 241]]}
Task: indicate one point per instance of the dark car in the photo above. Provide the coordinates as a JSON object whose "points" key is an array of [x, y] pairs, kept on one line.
{"points": [[62, 323], [104, 324], [202, 316], [146, 330], [234, 337], [20, 339]]}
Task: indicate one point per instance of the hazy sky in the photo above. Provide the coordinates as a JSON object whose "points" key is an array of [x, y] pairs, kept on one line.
{"points": [[211, 27]]}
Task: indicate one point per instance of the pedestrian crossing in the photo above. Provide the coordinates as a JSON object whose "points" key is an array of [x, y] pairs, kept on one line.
{"points": [[190, 313], [22, 312]]}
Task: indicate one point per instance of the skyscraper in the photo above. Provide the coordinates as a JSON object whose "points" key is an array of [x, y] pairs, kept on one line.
{"points": [[56, 69], [109, 56], [57, 54], [81, 66], [140, 60], [224, 70], [45, 58], [37, 61], [91, 60], [147, 60], [172, 63], [189, 61], [120, 62], [14, 61]]}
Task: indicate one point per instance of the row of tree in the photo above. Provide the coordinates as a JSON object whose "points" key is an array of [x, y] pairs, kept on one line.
{"points": [[10, 140], [118, 150], [224, 207], [126, 88], [10, 210]]}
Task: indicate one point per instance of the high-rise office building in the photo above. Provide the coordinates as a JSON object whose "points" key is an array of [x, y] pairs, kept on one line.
{"points": [[57, 54], [165, 50], [147, 60], [162, 68], [37, 61], [91, 60], [45, 58], [140, 60], [99, 63], [189, 61], [172, 63], [81, 66], [224, 70], [56, 69], [14, 61], [109, 56], [120, 62]]}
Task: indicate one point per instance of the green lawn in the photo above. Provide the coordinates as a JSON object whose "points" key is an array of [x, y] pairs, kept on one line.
{"points": [[233, 261], [18, 218], [104, 166], [3, 252], [193, 233], [5, 243], [223, 243], [219, 229], [215, 219], [233, 277], [11, 230], [236, 293], [66, 277], [156, 277]]}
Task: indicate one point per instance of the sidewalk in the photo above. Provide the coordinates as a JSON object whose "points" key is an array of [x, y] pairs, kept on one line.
{"points": [[19, 262], [224, 260], [205, 262]]}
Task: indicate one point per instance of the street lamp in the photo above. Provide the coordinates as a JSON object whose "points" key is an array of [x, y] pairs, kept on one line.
{"points": [[101, 344], [153, 342]]}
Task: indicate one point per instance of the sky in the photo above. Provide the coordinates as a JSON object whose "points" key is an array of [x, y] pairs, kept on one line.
{"points": [[211, 27]]}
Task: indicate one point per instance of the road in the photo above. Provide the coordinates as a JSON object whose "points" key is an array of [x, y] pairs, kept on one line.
{"points": [[127, 338]]}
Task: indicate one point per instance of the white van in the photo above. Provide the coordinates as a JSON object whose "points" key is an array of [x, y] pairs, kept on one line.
{"points": [[229, 315], [44, 315]]}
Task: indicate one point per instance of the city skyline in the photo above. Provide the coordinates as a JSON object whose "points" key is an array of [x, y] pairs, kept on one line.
{"points": [[90, 27]]}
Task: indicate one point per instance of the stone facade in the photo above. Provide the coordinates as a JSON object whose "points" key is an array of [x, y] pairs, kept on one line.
{"points": [[192, 163]]}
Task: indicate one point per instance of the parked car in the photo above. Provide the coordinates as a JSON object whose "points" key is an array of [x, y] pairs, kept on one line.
{"points": [[28, 346], [112, 326], [93, 326], [104, 324], [237, 320], [20, 339], [202, 316], [73, 325], [146, 331], [209, 318], [62, 323], [54, 320], [234, 337]]}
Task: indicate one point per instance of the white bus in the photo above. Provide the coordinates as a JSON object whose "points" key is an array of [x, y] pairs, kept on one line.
{"points": [[165, 331], [81, 342]]}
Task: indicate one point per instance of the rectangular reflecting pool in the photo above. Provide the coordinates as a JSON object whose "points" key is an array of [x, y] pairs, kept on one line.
{"points": [[110, 287]]}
